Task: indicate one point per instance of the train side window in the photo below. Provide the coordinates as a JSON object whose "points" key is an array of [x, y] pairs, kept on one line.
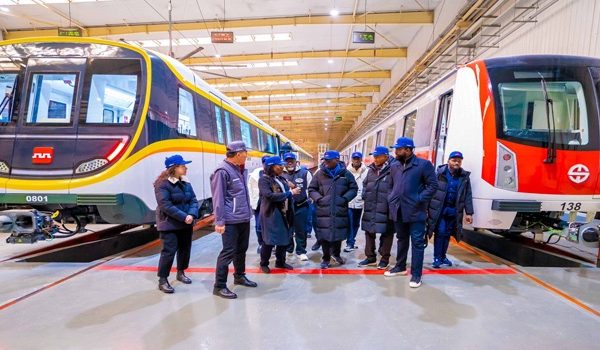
{"points": [[246, 133], [51, 98], [228, 126], [218, 118], [409, 124], [204, 121], [8, 85], [378, 138], [424, 124], [114, 93], [271, 147], [369, 145], [186, 124], [259, 139], [390, 135]]}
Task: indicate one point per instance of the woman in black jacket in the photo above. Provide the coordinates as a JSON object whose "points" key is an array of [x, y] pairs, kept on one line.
{"points": [[276, 214], [175, 214]]}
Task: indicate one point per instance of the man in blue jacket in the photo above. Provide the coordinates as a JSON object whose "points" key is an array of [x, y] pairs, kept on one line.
{"points": [[231, 204], [413, 185]]}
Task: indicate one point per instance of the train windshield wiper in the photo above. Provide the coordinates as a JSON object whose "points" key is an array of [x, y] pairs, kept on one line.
{"points": [[8, 97], [551, 154]]}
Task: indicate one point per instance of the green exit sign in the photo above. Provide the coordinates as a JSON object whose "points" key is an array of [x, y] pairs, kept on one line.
{"points": [[338, 118], [363, 37], [72, 32]]}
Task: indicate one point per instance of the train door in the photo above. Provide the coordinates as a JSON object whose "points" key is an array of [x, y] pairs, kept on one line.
{"points": [[441, 132], [47, 129], [10, 87]]}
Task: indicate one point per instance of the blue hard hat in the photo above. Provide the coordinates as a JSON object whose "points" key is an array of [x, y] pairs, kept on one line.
{"points": [[455, 154], [264, 158], [175, 160], [274, 161], [236, 146], [289, 156], [357, 155], [331, 154], [380, 151], [404, 142]]}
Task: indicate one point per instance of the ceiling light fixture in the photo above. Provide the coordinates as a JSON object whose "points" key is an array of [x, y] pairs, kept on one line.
{"points": [[330, 61], [334, 12], [328, 86]]}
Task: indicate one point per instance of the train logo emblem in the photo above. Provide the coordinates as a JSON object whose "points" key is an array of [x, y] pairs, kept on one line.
{"points": [[42, 155], [578, 173]]}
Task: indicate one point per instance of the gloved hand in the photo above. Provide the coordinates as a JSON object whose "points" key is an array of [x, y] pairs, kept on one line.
{"points": [[449, 212]]}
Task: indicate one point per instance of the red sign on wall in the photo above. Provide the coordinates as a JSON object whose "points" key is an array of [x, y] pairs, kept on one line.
{"points": [[221, 37], [42, 155], [287, 117]]}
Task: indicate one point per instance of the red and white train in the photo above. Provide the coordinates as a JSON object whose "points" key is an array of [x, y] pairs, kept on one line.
{"points": [[528, 127]]}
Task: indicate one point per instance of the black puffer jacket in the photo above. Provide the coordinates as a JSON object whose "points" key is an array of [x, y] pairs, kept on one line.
{"points": [[331, 194], [376, 187], [464, 201]]}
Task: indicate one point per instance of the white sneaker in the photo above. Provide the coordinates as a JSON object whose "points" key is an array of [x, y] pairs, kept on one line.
{"points": [[302, 257], [415, 284]]}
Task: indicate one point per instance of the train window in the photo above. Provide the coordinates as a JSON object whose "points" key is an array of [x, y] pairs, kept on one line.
{"points": [[378, 138], [246, 133], [51, 98], [409, 125], [186, 124], [218, 118], [390, 135], [260, 140], [424, 124], [228, 130], [369, 145], [7, 84], [111, 93], [271, 147]]}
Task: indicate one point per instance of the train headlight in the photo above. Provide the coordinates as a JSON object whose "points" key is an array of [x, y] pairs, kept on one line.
{"points": [[506, 169], [90, 165], [4, 168]]}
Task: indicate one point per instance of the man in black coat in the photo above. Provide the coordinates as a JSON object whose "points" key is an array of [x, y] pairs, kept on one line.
{"points": [[413, 186], [452, 198], [331, 189], [376, 187]]}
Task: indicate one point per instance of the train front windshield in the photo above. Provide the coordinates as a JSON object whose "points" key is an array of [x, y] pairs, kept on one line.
{"points": [[534, 103]]}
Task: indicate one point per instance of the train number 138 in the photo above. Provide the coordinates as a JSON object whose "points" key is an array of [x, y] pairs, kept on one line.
{"points": [[571, 206]]}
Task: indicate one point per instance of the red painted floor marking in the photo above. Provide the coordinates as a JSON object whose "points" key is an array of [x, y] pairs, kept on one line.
{"points": [[317, 271]]}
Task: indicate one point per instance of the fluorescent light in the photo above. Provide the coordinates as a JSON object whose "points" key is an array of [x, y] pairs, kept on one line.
{"points": [[327, 112], [275, 64], [282, 36], [326, 118], [328, 101], [330, 61], [243, 38], [4, 9], [218, 56], [260, 65], [328, 86], [290, 63], [334, 12]]}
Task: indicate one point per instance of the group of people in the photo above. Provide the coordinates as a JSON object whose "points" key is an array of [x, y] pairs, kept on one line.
{"points": [[402, 194]]}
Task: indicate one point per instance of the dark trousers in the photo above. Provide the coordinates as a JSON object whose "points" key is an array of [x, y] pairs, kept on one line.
{"points": [[179, 242], [235, 243], [385, 245], [331, 248], [354, 216], [298, 230], [258, 227], [266, 251], [441, 240], [415, 232]]}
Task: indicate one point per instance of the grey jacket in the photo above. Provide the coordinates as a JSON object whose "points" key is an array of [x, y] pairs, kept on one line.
{"points": [[231, 202]]}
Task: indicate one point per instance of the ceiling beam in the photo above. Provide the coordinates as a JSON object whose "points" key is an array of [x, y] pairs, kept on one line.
{"points": [[332, 109], [393, 53], [312, 76], [411, 18], [332, 101], [333, 90]]}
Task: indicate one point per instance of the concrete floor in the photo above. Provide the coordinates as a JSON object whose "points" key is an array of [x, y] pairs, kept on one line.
{"points": [[475, 304]]}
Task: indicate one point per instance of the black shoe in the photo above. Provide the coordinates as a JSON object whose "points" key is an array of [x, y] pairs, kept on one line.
{"points": [[339, 260], [244, 281], [367, 262], [316, 246], [224, 293], [265, 269], [181, 277], [284, 266], [164, 286], [383, 265], [324, 265]]}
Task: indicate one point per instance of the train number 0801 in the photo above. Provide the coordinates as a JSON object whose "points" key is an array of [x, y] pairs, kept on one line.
{"points": [[570, 206], [36, 199]]}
